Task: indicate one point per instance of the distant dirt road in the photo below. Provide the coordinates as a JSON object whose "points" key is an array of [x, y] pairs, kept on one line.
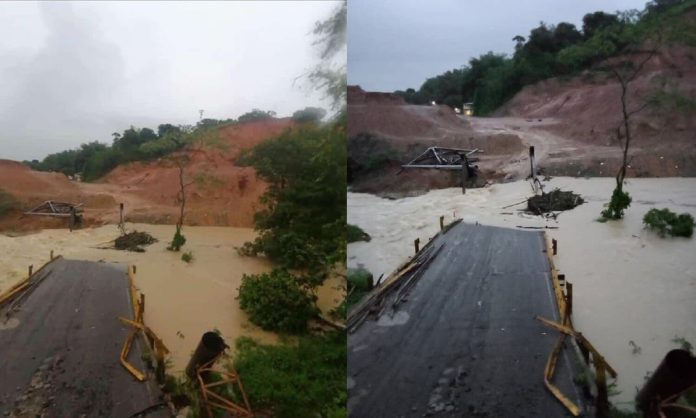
{"points": [[550, 150]]}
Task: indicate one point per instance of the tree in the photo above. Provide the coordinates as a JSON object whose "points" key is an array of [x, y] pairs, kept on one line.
{"points": [[519, 42], [594, 22], [303, 224], [309, 114], [257, 114], [167, 128], [329, 74], [625, 72]]}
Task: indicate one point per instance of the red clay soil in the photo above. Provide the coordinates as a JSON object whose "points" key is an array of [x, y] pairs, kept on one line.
{"points": [[588, 111], [388, 116], [407, 130], [220, 193], [572, 124]]}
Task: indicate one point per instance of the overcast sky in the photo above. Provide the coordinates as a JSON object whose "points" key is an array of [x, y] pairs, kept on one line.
{"points": [[76, 72], [397, 44]]}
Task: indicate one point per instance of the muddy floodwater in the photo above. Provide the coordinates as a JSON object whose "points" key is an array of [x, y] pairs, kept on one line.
{"points": [[634, 292], [182, 301]]}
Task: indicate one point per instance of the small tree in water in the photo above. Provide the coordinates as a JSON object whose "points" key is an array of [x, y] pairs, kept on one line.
{"points": [[625, 74], [179, 239]]}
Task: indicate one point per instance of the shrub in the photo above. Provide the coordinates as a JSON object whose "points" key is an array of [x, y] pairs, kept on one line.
{"points": [[178, 241], [303, 225], [187, 257], [272, 375], [355, 233], [664, 222], [620, 200], [7, 203], [276, 301], [309, 114], [360, 281]]}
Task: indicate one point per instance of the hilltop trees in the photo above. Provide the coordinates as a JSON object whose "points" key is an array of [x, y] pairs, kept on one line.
{"points": [[95, 159], [309, 114], [548, 51]]}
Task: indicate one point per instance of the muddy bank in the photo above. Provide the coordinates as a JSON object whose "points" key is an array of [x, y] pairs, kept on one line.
{"points": [[629, 284]]}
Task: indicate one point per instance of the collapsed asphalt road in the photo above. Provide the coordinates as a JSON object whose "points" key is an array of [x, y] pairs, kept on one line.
{"points": [[464, 342], [60, 344]]}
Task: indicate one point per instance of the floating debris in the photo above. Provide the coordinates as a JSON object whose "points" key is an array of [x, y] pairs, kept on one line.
{"points": [[134, 241], [553, 201]]}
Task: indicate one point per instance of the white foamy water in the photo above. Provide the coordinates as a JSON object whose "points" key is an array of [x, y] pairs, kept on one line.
{"points": [[629, 284]]}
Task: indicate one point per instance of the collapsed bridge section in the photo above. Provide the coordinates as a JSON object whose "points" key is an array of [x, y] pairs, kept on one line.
{"points": [[61, 342], [455, 334]]}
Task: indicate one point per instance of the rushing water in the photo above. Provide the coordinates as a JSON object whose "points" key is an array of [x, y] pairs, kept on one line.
{"points": [[182, 300], [631, 288]]}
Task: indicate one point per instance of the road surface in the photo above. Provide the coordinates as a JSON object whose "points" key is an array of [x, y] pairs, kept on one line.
{"points": [[464, 343], [60, 346]]}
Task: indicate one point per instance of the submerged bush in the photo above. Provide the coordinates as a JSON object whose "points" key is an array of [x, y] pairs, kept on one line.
{"points": [[355, 233], [664, 222], [187, 257], [178, 241], [276, 301], [620, 200]]}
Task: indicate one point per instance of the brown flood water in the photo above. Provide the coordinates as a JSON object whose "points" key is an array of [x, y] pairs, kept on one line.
{"points": [[182, 301], [630, 286]]}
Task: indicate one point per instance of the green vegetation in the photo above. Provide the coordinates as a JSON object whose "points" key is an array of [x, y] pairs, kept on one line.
{"points": [[360, 282], [178, 241], [187, 257], [367, 152], [256, 115], [553, 51], [664, 222], [309, 114], [94, 159], [620, 200], [303, 230], [303, 225], [8, 203], [276, 301], [306, 379], [355, 233]]}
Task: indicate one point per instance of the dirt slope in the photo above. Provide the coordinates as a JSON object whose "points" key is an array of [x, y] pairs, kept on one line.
{"points": [[220, 193], [572, 124], [588, 111], [383, 125]]}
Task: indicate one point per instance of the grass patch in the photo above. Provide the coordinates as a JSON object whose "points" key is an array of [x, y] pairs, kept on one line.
{"points": [[355, 233], [307, 379], [665, 222]]}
